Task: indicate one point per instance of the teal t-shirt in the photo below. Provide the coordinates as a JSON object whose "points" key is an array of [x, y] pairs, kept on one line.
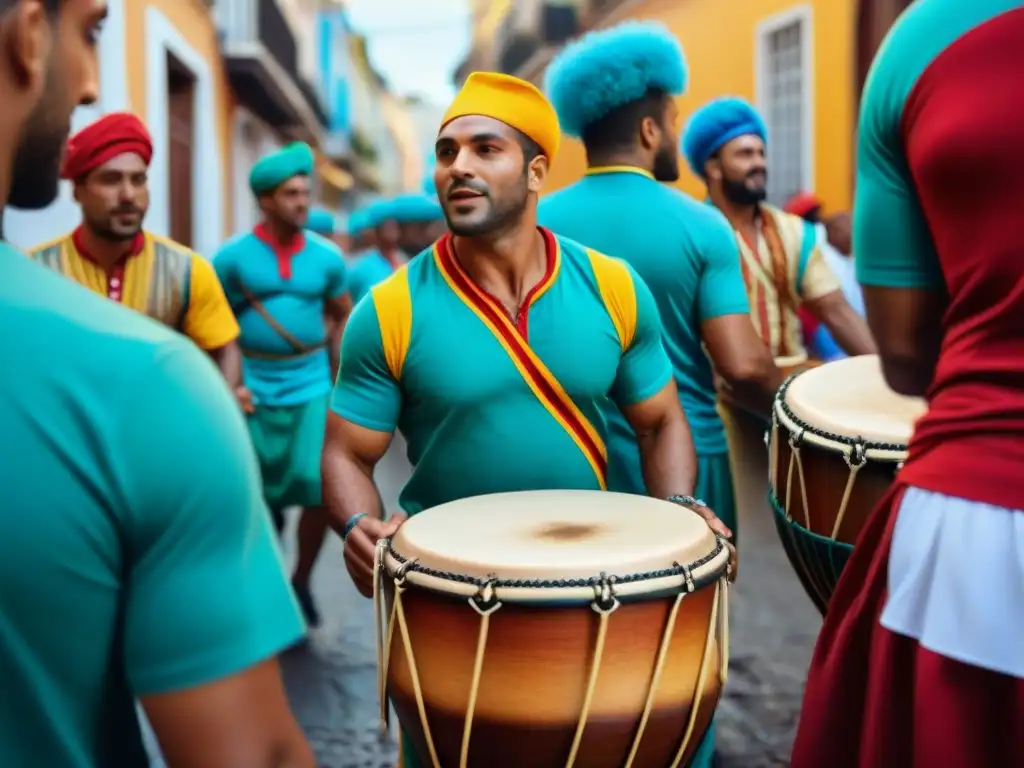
{"points": [[687, 254], [136, 555], [367, 271], [472, 423], [296, 301]]}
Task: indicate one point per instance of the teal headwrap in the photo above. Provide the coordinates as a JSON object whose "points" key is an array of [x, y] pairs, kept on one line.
{"points": [[273, 170], [378, 212], [358, 222], [320, 221], [716, 124], [412, 209]]}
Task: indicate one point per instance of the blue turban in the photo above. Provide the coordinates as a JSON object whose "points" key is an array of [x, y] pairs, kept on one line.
{"points": [[410, 209], [320, 221], [378, 212], [605, 70], [716, 124], [273, 170], [358, 222]]}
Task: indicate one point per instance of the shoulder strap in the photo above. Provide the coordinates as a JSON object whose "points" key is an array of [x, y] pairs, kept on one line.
{"points": [[280, 330], [615, 283], [393, 301]]}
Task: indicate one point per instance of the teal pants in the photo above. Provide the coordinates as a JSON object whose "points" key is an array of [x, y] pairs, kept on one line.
{"points": [[288, 442]]}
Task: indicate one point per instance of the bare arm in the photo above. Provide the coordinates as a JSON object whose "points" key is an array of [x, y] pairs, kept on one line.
{"points": [[242, 720], [667, 455], [229, 360], [336, 311], [847, 327], [743, 361], [908, 322]]}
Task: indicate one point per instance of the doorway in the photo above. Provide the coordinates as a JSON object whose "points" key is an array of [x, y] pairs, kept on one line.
{"points": [[181, 93]]}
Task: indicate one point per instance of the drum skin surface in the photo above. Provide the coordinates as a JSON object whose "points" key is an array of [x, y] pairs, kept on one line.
{"points": [[541, 642], [834, 422]]}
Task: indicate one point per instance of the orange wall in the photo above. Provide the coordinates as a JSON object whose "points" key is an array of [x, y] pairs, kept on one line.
{"points": [[719, 37], [194, 21]]}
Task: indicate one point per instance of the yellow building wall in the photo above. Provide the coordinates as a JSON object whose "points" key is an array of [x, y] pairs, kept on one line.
{"points": [[719, 38], [194, 21]]}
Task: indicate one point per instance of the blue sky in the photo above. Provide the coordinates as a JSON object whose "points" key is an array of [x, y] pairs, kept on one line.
{"points": [[415, 44]]}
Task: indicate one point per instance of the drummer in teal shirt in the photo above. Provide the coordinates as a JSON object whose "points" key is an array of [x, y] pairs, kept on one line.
{"points": [[494, 364], [684, 250], [288, 288]]}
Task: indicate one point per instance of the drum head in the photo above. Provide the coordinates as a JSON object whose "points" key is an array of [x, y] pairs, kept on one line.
{"points": [[850, 398], [554, 535]]}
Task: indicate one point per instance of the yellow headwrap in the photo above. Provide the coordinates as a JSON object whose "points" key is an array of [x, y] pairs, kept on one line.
{"points": [[514, 102]]}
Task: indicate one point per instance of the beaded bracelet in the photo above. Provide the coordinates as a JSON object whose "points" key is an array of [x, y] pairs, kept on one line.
{"points": [[687, 501], [351, 525]]}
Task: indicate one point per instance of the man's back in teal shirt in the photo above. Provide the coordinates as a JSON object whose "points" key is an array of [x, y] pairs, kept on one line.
{"points": [[418, 358], [136, 556], [687, 254]]}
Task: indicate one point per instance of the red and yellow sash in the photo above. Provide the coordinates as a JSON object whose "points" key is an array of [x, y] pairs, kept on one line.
{"points": [[538, 377]]}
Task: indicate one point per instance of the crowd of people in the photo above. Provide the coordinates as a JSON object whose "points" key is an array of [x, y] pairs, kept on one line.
{"points": [[615, 335]]}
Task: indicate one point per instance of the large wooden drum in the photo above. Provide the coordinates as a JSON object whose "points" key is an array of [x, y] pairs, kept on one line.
{"points": [[838, 437], [553, 629]]}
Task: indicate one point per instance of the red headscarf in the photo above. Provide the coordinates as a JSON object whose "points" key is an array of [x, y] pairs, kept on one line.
{"points": [[802, 204], [110, 136]]}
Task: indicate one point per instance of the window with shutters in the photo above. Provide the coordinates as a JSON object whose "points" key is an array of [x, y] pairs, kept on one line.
{"points": [[785, 68]]}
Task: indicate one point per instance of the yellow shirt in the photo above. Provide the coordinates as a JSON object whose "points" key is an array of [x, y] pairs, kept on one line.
{"points": [[160, 278], [775, 317]]}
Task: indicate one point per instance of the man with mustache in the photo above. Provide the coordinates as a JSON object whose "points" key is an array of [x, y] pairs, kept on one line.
{"points": [[684, 250], [136, 559], [289, 288], [475, 344], [725, 145], [111, 254]]}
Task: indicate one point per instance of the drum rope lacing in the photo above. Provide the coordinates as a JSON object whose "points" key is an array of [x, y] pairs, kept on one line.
{"points": [[605, 603]]}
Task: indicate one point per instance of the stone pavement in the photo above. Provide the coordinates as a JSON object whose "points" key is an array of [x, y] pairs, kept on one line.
{"points": [[332, 680]]}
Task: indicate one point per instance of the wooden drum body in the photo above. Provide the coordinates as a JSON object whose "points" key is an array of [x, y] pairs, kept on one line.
{"points": [[838, 437], [554, 629]]}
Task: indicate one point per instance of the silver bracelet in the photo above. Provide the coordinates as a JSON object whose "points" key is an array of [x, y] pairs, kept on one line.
{"points": [[688, 501]]}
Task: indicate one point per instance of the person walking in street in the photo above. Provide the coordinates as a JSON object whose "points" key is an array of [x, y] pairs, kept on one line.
{"points": [[920, 662], [111, 254], [683, 250], [466, 347], [136, 558], [288, 287]]}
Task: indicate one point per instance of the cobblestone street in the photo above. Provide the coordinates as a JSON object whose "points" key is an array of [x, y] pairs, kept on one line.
{"points": [[332, 680]]}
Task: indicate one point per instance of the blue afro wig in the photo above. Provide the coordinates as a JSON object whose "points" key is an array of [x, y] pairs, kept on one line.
{"points": [[716, 124], [605, 70]]}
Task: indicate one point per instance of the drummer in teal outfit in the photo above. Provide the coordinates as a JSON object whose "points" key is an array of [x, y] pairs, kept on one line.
{"points": [[494, 360], [288, 287], [684, 250], [381, 261]]}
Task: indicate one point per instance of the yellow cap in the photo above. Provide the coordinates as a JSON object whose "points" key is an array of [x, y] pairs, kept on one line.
{"points": [[514, 102]]}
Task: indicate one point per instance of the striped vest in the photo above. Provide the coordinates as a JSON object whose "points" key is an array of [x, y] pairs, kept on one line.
{"points": [[156, 280]]}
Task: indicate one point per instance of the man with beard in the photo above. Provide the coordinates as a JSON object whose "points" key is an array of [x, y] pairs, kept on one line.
{"points": [[110, 253], [725, 145], [782, 268], [467, 345], [920, 662], [683, 250], [136, 560], [288, 287]]}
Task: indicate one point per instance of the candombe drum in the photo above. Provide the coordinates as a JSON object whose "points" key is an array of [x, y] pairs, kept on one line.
{"points": [[838, 437], [553, 629]]}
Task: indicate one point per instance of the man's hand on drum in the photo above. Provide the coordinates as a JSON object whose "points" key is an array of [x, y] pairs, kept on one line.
{"points": [[360, 545], [722, 530]]}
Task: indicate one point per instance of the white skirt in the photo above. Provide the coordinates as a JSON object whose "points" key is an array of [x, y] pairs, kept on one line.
{"points": [[956, 580]]}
